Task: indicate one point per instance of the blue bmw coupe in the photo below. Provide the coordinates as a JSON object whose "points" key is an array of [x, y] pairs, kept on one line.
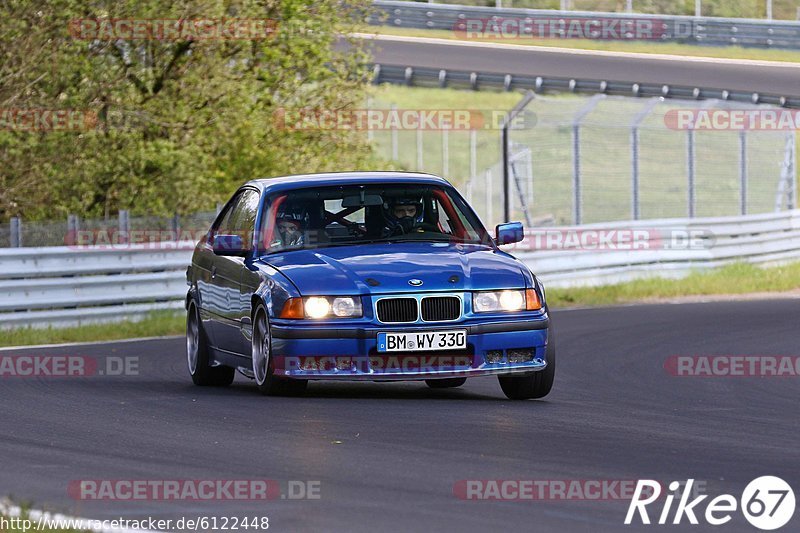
{"points": [[363, 276]]}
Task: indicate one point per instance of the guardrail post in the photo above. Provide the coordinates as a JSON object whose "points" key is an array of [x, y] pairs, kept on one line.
{"points": [[743, 172], [420, 159], [16, 232], [576, 174], [637, 121], [473, 155], [505, 151], [176, 226], [393, 132], [787, 185], [793, 173], [577, 216], [73, 226], [446, 153], [635, 172], [489, 196], [124, 225], [506, 173], [370, 133], [690, 169]]}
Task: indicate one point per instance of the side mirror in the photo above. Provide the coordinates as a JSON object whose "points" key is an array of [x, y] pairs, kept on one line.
{"points": [[509, 233], [229, 245]]}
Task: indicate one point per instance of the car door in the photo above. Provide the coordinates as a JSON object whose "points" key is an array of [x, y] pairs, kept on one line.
{"points": [[212, 298], [228, 274]]}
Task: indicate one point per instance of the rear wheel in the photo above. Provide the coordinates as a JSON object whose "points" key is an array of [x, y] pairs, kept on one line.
{"points": [[197, 354], [446, 383], [536, 385], [263, 364]]}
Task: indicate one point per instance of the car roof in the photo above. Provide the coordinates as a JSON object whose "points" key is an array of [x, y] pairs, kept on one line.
{"points": [[284, 183]]}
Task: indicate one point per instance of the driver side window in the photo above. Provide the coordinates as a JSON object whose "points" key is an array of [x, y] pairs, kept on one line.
{"points": [[240, 216]]}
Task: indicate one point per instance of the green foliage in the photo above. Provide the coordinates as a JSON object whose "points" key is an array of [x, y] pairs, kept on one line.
{"points": [[179, 123]]}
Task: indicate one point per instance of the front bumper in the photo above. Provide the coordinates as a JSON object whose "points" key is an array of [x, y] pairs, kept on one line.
{"points": [[350, 353]]}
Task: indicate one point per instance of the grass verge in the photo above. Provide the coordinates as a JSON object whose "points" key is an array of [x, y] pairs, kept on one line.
{"points": [[737, 279], [641, 47], [153, 325], [730, 280]]}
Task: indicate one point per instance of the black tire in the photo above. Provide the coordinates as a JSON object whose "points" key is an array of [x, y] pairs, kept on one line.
{"points": [[446, 383], [535, 385], [198, 355], [263, 365]]}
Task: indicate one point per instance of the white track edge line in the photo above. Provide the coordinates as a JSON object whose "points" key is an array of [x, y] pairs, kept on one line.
{"points": [[88, 343]]}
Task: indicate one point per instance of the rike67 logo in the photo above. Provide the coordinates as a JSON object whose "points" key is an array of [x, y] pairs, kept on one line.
{"points": [[767, 502]]}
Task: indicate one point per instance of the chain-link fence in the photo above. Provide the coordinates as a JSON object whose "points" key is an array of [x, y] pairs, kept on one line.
{"points": [[577, 160], [104, 232], [613, 158], [572, 160]]}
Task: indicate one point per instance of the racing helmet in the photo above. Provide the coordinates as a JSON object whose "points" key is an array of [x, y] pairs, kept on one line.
{"points": [[296, 216], [393, 220]]}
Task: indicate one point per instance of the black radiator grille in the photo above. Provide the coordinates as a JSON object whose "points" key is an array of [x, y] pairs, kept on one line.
{"points": [[441, 308], [397, 310]]}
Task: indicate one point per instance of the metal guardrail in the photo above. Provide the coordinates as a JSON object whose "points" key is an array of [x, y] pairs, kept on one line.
{"points": [[665, 28], [764, 239], [59, 286], [459, 79], [63, 286]]}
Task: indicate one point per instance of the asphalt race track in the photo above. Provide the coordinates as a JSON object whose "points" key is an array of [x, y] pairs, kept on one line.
{"points": [[388, 456], [764, 77]]}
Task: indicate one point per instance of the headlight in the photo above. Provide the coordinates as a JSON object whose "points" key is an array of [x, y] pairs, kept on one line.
{"points": [[317, 307], [505, 301], [322, 307], [345, 307]]}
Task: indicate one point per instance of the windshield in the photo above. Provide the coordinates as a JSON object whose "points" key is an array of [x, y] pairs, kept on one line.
{"points": [[352, 215]]}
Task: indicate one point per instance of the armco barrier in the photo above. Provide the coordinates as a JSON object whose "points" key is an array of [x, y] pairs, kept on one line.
{"points": [[666, 28], [61, 286], [460, 79], [765, 239]]}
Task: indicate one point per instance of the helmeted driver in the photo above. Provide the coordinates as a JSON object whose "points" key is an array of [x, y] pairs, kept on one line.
{"points": [[290, 226], [403, 215]]}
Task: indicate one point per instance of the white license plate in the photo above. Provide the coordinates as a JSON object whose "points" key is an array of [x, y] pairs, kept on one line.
{"points": [[422, 341]]}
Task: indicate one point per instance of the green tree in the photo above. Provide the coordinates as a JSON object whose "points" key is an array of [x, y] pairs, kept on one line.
{"points": [[179, 122]]}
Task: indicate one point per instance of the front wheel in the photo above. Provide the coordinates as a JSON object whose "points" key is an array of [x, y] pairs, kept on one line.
{"points": [[197, 354], [446, 383], [536, 385], [263, 365]]}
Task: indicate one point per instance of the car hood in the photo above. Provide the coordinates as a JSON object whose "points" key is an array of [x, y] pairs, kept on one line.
{"points": [[387, 268]]}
